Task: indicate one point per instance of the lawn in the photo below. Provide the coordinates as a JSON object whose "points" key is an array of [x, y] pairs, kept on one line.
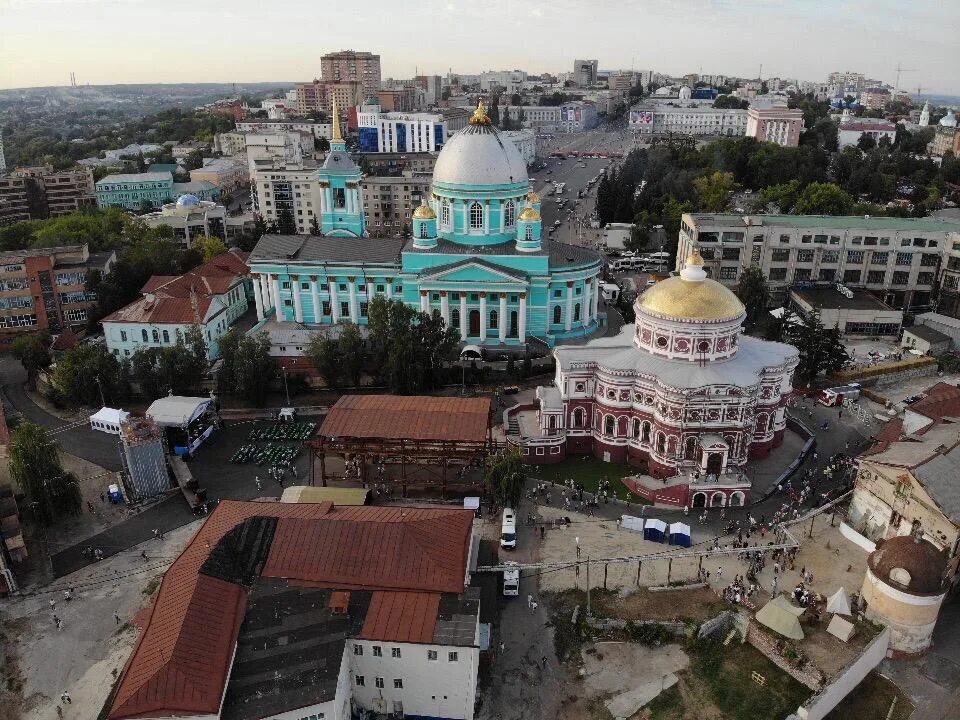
{"points": [[871, 700], [588, 471]]}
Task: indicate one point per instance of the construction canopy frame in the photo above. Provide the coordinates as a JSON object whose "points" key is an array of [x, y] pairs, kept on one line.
{"points": [[431, 433]]}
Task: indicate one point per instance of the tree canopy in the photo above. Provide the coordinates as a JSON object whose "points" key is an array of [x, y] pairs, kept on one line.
{"points": [[821, 349], [505, 478], [83, 371], [753, 292], [36, 467], [247, 371]]}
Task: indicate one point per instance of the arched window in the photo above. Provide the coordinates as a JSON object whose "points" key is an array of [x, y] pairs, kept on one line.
{"points": [[166, 336], [578, 418], [661, 443], [609, 425], [645, 433], [455, 318], [423, 230], [529, 232], [156, 335], [494, 320], [636, 428], [761, 423], [509, 213], [576, 312], [690, 451], [556, 314], [146, 338], [445, 213], [476, 216]]}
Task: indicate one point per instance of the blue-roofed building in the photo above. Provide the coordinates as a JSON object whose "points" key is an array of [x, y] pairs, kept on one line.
{"points": [[477, 256]]}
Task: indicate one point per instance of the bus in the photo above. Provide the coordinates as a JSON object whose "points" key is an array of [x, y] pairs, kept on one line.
{"points": [[508, 530], [559, 188], [511, 579]]}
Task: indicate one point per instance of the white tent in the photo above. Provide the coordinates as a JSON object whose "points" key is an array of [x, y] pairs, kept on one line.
{"points": [[177, 410], [841, 628], [108, 420], [631, 522], [839, 603]]}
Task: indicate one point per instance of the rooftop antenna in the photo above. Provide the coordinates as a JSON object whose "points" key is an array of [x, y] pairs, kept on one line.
{"points": [[901, 69]]}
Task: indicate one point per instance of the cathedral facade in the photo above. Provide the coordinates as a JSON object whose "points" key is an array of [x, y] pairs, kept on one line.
{"points": [[477, 254]]}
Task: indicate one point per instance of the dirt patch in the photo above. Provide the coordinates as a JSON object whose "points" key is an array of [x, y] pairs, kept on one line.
{"points": [[871, 700], [697, 605]]}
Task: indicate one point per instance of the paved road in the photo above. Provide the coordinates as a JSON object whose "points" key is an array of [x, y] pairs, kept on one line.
{"points": [[97, 447], [576, 178]]}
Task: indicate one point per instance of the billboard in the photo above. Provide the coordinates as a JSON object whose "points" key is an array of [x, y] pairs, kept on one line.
{"points": [[641, 117]]}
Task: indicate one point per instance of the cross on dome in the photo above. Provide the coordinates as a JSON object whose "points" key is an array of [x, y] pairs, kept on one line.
{"points": [[480, 116]]}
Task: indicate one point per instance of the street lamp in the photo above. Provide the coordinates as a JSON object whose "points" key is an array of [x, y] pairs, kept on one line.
{"points": [[286, 387]]}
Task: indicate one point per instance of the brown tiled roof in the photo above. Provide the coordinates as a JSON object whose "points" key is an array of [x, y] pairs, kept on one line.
{"points": [[212, 278], [375, 548], [410, 417], [941, 401], [889, 433], [173, 310], [401, 617], [157, 281], [182, 660]]}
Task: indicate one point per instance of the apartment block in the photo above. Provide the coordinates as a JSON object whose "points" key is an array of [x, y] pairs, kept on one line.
{"points": [[658, 119], [778, 125], [389, 202], [46, 289], [352, 65], [14, 199], [136, 191], [901, 260]]}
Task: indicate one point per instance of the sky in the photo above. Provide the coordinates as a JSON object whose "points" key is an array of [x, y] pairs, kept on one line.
{"points": [[147, 41]]}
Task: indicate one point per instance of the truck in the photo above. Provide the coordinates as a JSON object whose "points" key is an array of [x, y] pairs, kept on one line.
{"points": [[835, 396], [511, 579]]}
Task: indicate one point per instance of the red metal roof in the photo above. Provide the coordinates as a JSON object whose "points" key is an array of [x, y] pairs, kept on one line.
{"points": [[181, 662], [401, 617], [410, 417], [377, 548], [941, 401], [173, 310]]}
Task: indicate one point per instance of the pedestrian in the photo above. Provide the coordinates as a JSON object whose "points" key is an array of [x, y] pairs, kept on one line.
{"points": [[59, 712], [59, 623], [840, 414], [686, 510], [143, 554], [578, 547], [529, 601], [89, 506], [156, 533], [52, 603], [543, 662], [116, 617], [719, 572], [65, 698], [543, 532], [103, 498]]}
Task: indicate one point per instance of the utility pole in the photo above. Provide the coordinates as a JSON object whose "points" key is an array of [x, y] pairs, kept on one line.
{"points": [[588, 587], [103, 403]]}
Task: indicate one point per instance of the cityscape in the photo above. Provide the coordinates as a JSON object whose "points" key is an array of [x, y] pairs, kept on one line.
{"points": [[597, 392]]}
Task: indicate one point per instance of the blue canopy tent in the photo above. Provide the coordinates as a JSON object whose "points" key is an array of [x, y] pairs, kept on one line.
{"points": [[680, 534], [654, 530]]}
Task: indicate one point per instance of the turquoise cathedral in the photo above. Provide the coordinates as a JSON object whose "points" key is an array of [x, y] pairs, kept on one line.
{"points": [[477, 254]]}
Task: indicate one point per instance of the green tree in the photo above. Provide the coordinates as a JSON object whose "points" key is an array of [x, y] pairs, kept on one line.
{"points": [[33, 351], [323, 354], [36, 467], [209, 247], [321, 145], [82, 371], [639, 239], [714, 190], [247, 370], [505, 478], [823, 199], [606, 200], [754, 293], [821, 349], [193, 160], [784, 195], [351, 351], [314, 226], [866, 142], [730, 102]]}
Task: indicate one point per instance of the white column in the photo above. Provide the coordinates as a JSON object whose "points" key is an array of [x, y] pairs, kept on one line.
{"points": [[503, 318], [596, 296], [483, 317], [334, 299], [424, 302], [569, 318], [354, 311], [263, 282], [297, 300], [328, 199], [315, 299], [587, 316], [486, 218], [389, 282], [503, 216], [275, 289], [445, 306], [463, 316], [257, 298], [522, 319]]}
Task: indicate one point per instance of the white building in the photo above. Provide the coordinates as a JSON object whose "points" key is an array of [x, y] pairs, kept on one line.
{"points": [[230, 143], [190, 218], [400, 131], [512, 80], [852, 129], [574, 116], [525, 142], [317, 130], [674, 120]]}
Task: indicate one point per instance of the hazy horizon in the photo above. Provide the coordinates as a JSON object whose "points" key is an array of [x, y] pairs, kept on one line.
{"points": [[108, 42]]}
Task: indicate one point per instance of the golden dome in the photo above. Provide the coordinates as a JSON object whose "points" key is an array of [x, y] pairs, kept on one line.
{"points": [[530, 213], [690, 300], [533, 196], [480, 116], [424, 212], [694, 258]]}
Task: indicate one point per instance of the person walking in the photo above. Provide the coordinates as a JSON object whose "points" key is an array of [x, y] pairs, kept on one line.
{"points": [[116, 617], [65, 698]]}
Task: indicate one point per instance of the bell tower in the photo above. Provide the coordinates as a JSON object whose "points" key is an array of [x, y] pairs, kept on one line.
{"points": [[341, 196]]}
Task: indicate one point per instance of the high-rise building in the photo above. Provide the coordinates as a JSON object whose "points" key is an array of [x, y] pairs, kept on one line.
{"points": [[352, 65], [585, 72]]}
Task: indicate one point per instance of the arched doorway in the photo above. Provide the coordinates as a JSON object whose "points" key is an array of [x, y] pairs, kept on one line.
{"points": [[513, 332], [690, 449], [699, 500], [736, 499], [714, 463], [718, 499], [474, 323]]}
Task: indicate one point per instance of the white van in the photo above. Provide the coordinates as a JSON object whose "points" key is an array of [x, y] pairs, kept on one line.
{"points": [[508, 530], [511, 580]]}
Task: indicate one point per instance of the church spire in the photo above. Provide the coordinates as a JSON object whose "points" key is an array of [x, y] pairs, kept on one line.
{"points": [[336, 136]]}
